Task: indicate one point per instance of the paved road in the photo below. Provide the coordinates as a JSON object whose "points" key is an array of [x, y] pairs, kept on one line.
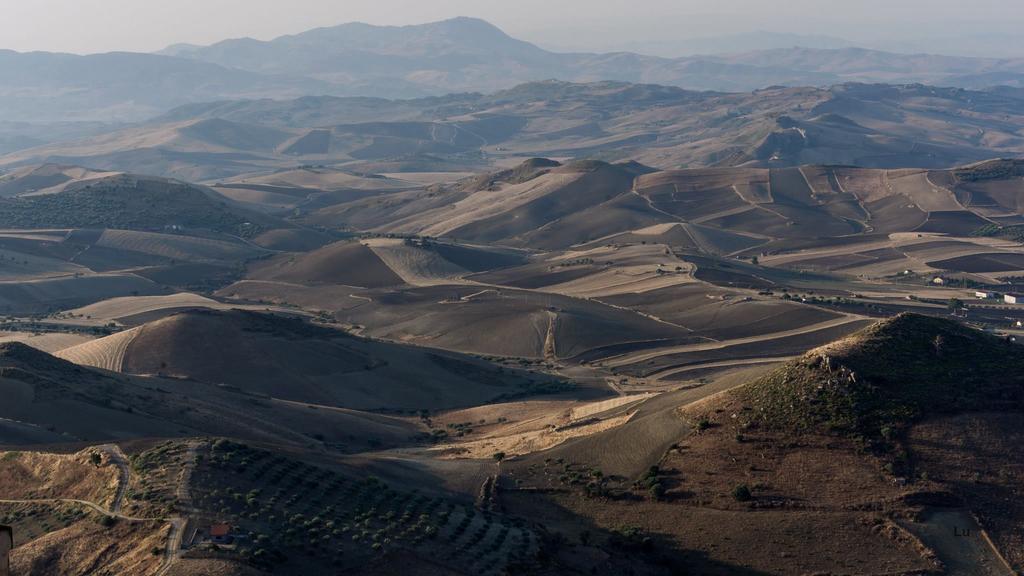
{"points": [[960, 543]]}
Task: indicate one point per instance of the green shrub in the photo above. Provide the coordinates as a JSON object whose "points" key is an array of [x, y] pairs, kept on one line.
{"points": [[742, 493], [107, 521]]}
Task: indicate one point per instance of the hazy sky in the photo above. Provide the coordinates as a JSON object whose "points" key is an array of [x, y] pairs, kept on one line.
{"points": [[85, 26]]}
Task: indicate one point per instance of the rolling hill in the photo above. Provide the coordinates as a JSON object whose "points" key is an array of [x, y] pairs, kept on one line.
{"points": [[719, 211], [934, 402], [75, 236], [507, 207], [293, 360], [128, 202], [50, 400], [889, 376], [347, 263], [866, 125]]}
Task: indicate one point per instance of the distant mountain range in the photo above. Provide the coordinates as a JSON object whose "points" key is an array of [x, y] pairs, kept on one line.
{"points": [[458, 55], [868, 125]]}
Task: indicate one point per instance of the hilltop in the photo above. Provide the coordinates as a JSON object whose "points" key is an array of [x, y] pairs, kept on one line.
{"points": [[889, 375], [859, 456], [129, 202]]}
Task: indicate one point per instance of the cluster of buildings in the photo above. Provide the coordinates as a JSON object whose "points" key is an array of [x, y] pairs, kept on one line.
{"points": [[1009, 298]]}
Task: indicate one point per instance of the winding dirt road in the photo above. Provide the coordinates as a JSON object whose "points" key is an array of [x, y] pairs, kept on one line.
{"points": [[177, 524], [634, 357], [85, 503], [172, 553], [117, 457]]}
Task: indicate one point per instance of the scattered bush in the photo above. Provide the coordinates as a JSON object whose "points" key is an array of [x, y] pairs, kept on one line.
{"points": [[742, 493]]}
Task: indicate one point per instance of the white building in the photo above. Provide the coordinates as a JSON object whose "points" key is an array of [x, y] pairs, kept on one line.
{"points": [[984, 295], [1013, 298]]}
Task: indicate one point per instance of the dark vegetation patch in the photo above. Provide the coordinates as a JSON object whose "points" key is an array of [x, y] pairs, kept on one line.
{"points": [[287, 514], [992, 170], [538, 278], [955, 222], [889, 375], [1015, 233], [475, 259], [194, 277], [996, 262], [525, 172], [128, 204]]}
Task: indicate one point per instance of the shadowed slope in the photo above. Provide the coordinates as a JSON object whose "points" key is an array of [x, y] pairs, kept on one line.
{"points": [[48, 400], [349, 263], [289, 359], [889, 375]]}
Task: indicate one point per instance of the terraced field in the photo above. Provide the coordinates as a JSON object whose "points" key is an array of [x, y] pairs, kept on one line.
{"points": [[115, 308], [176, 247], [416, 266], [107, 353]]}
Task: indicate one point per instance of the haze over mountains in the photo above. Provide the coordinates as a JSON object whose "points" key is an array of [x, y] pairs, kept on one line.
{"points": [[663, 127], [458, 55], [430, 300]]}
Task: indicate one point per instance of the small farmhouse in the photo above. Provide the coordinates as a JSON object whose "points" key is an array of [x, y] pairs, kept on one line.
{"points": [[220, 533]]}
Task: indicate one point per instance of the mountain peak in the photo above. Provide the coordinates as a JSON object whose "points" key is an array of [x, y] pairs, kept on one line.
{"points": [[469, 25]]}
